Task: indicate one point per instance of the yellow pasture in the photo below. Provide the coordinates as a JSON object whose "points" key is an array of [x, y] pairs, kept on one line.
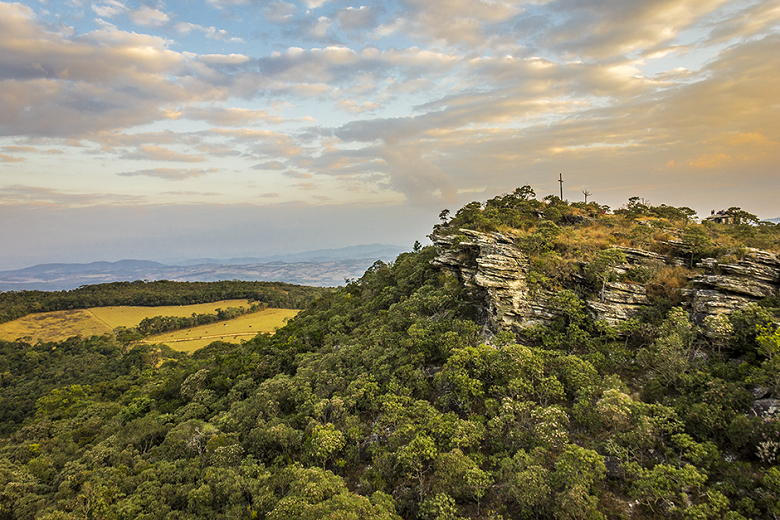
{"points": [[60, 325], [232, 331], [132, 316], [54, 326]]}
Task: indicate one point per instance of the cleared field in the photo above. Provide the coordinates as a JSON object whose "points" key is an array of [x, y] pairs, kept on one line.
{"points": [[131, 316], [54, 326], [232, 331], [60, 325]]}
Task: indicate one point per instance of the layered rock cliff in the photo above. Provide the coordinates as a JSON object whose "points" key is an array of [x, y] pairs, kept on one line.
{"points": [[493, 263]]}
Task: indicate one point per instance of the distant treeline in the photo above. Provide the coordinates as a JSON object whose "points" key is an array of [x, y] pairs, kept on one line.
{"points": [[160, 324], [15, 304]]}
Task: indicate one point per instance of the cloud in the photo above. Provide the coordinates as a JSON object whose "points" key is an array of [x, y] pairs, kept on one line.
{"points": [[270, 165], [752, 20], [320, 28], [171, 174], [296, 175], [34, 196], [19, 149], [455, 22], [148, 17], [710, 161], [279, 12], [212, 32], [419, 179], [351, 19], [314, 4], [10, 159], [224, 116], [263, 143], [158, 153], [109, 8], [612, 28], [349, 105]]}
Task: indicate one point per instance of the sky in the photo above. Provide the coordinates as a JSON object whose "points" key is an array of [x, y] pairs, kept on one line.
{"points": [[178, 129]]}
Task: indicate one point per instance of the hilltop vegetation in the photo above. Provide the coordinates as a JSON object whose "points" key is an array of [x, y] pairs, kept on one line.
{"points": [[391, 397]]}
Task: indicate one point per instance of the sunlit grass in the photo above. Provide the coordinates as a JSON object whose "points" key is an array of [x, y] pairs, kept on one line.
{"points": [[132, 316], [54, 326], [60, 325], [233, 331]]}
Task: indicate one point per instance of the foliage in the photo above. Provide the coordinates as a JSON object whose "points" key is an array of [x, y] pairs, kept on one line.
{"points": [[392, 398], [15, 304]]}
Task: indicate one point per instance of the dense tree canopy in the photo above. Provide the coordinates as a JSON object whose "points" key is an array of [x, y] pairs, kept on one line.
{"points": [[391, 397]]}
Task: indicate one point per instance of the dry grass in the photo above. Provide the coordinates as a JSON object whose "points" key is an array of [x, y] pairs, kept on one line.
{"points": [[232, 331], [667, 282], [131, 316], [60, 325], [54, 326]]}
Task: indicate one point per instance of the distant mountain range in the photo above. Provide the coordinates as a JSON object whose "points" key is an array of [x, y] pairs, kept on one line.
{"points": [[321, 268], [776, 220], [376, 251]]}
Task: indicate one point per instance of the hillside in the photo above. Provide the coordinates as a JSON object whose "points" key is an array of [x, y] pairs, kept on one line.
{"points": [[484, 377]]}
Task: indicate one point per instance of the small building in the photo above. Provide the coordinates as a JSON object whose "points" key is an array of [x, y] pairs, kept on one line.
{"points": [[721, 217]]}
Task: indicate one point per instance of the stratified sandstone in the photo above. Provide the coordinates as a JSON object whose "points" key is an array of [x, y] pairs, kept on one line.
{"points": [[491, 262]]}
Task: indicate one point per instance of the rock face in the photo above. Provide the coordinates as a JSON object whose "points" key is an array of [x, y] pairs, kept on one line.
{"points": [[728, 286], [492, 263], [619, 302]]}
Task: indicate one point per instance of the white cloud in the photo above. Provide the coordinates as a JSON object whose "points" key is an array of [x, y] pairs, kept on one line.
{"points": [[314, 4], [279, 11], [320, 29], [109, 8], [148, 17]]}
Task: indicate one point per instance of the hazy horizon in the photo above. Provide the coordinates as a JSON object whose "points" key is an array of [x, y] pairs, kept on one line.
{"points": [[225, 128]]}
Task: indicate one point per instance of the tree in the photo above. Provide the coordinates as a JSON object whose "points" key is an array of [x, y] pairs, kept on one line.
{"points": [[696, 239], [740, 216], [670, 355], [525, 193], [587, 194], [325, 441], [601, 268]]}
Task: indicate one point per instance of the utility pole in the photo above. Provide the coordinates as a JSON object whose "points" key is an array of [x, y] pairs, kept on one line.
{"points": [[560, 179]]}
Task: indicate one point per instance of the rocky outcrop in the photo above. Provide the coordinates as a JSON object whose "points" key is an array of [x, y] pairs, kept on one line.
{"points": [[727, 286], [619, 302], [492, 263]]}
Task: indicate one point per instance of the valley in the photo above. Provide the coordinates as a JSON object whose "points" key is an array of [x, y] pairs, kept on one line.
{"points": [[60, 325]]}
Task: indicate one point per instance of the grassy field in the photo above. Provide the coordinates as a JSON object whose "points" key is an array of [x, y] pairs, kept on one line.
{"points": [[232, 331], [132, 316], [60, 325], [53, 326]]}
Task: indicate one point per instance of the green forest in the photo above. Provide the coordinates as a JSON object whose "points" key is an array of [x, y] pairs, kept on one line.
{"points": [[394, 397]]}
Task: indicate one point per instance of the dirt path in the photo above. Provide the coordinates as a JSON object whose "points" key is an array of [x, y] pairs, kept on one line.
{"points": [[217, 336]]}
